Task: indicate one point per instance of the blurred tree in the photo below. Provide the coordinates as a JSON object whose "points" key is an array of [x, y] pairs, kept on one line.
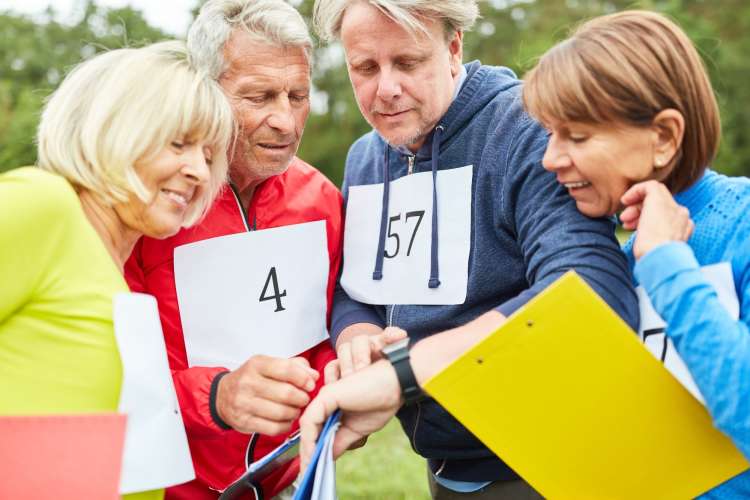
{"points": [[34, 55]]}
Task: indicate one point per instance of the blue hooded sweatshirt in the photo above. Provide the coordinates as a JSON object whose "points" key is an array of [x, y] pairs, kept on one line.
{"points": [[525, 233]]}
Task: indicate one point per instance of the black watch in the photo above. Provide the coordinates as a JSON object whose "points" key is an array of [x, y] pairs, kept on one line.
{"points": [[398, 354]]}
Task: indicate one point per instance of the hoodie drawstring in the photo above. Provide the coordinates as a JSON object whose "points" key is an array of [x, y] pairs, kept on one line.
{"points": [[434, 270], [377, 274]]}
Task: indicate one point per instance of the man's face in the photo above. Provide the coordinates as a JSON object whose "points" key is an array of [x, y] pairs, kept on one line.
{"points": [[269, 89], [403, 82]]}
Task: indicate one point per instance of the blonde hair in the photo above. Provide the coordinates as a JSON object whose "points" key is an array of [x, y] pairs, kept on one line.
{"points": [[626, 68], [456, 15], [124, 107]]}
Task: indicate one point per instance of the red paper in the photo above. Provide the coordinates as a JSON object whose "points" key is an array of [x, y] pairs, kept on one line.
{"points": [[65, 457]]}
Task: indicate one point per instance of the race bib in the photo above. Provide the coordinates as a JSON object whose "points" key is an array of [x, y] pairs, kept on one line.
{"points": [[652, 325], [406, 264], [156, 453], [260, 292]]}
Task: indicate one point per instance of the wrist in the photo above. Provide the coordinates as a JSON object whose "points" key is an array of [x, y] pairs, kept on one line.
{"points": [[397, 354], [213, 402]]}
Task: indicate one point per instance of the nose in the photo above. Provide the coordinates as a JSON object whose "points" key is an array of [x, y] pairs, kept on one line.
{"points": [[281, 117], [555, 157], [389, 86], [196, 167]]}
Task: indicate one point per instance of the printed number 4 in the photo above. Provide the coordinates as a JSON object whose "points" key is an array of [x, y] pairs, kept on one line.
{"points": [[274, 282], [391, 234]]}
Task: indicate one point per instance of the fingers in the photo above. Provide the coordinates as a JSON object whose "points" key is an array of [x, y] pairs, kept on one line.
{"points": [[361, 352], [630, 216], [638, 192], [280, 392], [332, 372], [389, 336], [345, 439], [346, 363], [311, 423], [295, 371]]}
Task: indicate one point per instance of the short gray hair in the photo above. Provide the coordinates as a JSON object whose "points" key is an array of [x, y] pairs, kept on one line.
{"points": [[456, 15], [272, 22]]}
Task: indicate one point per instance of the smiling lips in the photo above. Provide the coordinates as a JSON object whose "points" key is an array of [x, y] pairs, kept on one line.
{"points": [[576, 185], [180, 198], [268, 145]]}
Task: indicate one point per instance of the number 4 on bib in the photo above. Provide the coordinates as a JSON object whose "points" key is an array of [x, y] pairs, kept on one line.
{"points": [[273, 280]]}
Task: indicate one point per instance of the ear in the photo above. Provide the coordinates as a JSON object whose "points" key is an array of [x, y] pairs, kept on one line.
{"points": [[456, 52], [669, 129]]}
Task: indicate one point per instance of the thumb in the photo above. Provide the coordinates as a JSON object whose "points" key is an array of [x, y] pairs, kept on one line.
{"points": [[393, 334]]}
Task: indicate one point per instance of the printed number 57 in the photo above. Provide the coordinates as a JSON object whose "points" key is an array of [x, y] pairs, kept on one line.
{"points": [[419, 214]]}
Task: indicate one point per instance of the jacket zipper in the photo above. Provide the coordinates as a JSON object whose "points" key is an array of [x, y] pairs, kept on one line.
{"points": [[410, 161], [245, 220]]}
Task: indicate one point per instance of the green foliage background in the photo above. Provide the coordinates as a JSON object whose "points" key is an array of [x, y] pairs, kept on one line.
{"points": [[36, 54]]}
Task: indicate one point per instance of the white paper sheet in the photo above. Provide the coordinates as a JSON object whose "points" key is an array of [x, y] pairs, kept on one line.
{"points": [[156, 450], [325, 474], [259, 292], [406, 269], [720, 277]]}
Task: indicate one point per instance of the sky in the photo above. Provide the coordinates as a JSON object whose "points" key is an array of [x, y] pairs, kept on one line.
{"points": [[172, 16]]}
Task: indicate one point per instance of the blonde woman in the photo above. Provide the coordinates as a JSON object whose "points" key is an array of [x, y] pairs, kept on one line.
{"points": [[133, 142]]}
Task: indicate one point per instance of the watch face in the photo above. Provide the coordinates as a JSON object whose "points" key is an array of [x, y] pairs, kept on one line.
{"points": [[396, 346]]}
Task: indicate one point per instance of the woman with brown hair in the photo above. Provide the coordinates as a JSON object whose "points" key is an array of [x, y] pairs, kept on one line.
{"points": [[633, 126]]}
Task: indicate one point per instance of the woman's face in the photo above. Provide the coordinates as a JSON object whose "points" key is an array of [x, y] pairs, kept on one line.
{"points": [[176, 177], [598, 163]]}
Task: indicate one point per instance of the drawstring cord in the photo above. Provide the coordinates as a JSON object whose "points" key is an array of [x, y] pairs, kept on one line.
{"points": [[377, 274], [434, 270]]}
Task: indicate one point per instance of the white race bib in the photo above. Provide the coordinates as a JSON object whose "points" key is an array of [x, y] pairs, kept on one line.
{"points": [[406, 266], [652, 325], [156, 451], [260, 292]]}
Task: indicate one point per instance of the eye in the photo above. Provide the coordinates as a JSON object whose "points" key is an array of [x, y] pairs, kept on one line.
{"points": [[178, 145], [365, 69], [578, 138], [255, 99], [408, 64], [299, 97]]}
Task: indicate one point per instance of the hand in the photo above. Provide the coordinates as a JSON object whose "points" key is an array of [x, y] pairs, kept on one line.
{"points": [[360, 351], [651, 209], [265, 394], [369, 399]]}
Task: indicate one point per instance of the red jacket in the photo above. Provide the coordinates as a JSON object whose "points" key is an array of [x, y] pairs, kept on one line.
{"points": [[301, 194]]}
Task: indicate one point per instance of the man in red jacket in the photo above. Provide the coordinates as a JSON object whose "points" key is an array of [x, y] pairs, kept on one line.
{"points": [[245, 295]]}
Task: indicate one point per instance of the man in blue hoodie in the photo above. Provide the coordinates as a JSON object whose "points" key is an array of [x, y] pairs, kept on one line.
{"points": [[467, 226]]}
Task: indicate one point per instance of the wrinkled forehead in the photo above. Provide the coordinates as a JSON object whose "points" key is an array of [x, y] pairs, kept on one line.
{"points": [[244, 49]]}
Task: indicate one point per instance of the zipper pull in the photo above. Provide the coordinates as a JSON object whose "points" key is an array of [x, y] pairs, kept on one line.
{"points": [[410, 160]]}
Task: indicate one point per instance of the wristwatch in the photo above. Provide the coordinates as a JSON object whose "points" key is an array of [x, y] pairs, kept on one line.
{"points": [[398, 354]]}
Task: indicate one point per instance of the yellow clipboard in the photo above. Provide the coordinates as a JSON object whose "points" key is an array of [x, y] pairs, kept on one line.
{"points": [[567, 396]]}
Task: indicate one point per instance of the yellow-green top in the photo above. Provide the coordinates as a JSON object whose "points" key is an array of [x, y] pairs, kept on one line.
{"points": [[58, 352]]}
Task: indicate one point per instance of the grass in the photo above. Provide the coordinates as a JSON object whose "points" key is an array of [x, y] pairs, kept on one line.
{"points": [[386, 468]]}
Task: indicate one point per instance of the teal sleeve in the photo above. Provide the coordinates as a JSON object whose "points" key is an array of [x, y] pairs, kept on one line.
{"points": [[714, 347]]}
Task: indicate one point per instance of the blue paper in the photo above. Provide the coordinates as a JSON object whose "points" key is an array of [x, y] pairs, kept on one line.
{"points": [[319, 481]]}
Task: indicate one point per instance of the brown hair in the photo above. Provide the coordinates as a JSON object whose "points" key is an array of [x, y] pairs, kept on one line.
{"points": [[626, 68]]}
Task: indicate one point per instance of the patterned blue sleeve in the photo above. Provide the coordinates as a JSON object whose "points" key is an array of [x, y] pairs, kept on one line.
{"points": [[714, 347]]}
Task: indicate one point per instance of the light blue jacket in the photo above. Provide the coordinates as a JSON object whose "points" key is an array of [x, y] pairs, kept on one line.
{"points": [[715, 347]]}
